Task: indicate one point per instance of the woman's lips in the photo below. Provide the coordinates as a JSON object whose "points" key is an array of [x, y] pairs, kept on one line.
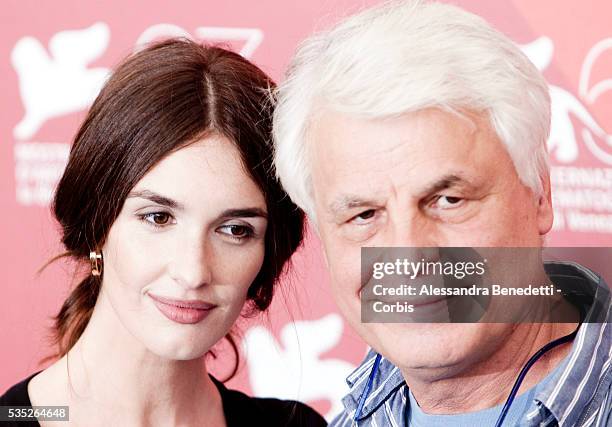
{"points": [[182, 311]]}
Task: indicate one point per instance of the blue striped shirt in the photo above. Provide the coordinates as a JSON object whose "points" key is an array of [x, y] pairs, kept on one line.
{"points": [[579, 394]]}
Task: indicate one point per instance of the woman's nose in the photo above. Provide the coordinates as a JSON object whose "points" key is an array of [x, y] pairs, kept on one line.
{"points": [[191, 263]]}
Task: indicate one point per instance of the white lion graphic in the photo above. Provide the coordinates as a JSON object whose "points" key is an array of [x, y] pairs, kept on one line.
{"points": [[562, 141], [295, 370], [60, 83]]}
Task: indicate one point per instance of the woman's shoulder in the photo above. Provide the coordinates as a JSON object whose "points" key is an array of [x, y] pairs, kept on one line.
{"points": [[18, 395], [240, 409]]}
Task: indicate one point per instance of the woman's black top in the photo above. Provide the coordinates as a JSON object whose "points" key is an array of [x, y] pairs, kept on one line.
{"points": [[240, 410]]}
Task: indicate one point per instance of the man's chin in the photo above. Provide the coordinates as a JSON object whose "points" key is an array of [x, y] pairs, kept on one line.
{"points": [[425, 345]]}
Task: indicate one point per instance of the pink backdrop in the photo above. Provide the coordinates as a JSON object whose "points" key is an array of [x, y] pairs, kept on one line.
{"points": [[53, 56]]}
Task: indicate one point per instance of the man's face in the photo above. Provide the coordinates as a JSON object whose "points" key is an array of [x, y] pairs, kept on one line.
{"points": [[424, 179]]}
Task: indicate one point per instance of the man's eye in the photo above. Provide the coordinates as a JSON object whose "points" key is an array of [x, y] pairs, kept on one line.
{"points": [[448, 202], [157, 219], [363, 217]]}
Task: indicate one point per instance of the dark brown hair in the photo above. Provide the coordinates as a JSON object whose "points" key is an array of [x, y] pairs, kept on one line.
{"points": [[157, 101]]}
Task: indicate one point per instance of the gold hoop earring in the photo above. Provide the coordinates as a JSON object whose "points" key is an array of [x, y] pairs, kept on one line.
{"points": [[95, 259]]}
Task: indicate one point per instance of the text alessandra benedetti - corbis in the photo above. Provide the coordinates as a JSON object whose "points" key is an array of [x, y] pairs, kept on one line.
{"points": [[409, 290]]}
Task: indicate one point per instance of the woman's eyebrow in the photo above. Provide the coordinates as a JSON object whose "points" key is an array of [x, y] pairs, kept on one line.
{"points": [[243, 213], [156, 198]]}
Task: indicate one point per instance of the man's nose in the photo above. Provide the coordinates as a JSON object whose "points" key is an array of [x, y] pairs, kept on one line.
{"points": [[191, 265], [412, 232]]}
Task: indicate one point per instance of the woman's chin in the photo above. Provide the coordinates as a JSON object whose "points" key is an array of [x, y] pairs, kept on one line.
{"points": [[179, 348]]}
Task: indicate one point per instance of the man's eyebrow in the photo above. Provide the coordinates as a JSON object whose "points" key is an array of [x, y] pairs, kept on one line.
{"points": [[243, 213], [445, 182], [346, 202], [156, 198]]}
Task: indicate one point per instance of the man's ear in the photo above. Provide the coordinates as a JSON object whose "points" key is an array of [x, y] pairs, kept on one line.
{"points": [[545, 214], [324, 256], [313, 227]]}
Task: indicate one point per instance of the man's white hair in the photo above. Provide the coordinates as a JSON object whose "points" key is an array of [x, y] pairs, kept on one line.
{"points": [[405, 56]]}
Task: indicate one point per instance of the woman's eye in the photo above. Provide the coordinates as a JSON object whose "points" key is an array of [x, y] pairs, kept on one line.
{"points": [[157, 219], [448, 202], [363, 217], [237, 231]]}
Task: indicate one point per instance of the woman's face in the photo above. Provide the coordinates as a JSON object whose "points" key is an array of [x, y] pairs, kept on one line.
{"points": [[181, 255]]}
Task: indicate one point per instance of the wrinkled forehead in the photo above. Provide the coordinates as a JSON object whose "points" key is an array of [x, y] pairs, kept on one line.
{"points": [[336, 135], [356, 152], [337, 140]]}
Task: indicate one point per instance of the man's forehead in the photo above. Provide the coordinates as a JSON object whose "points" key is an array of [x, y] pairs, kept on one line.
{"points": [[357, 162], [470, 121], [334, 137]]}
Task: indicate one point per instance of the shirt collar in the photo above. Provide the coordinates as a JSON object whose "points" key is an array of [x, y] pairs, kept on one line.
{"points": [[579, 374], [386, 381]]}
